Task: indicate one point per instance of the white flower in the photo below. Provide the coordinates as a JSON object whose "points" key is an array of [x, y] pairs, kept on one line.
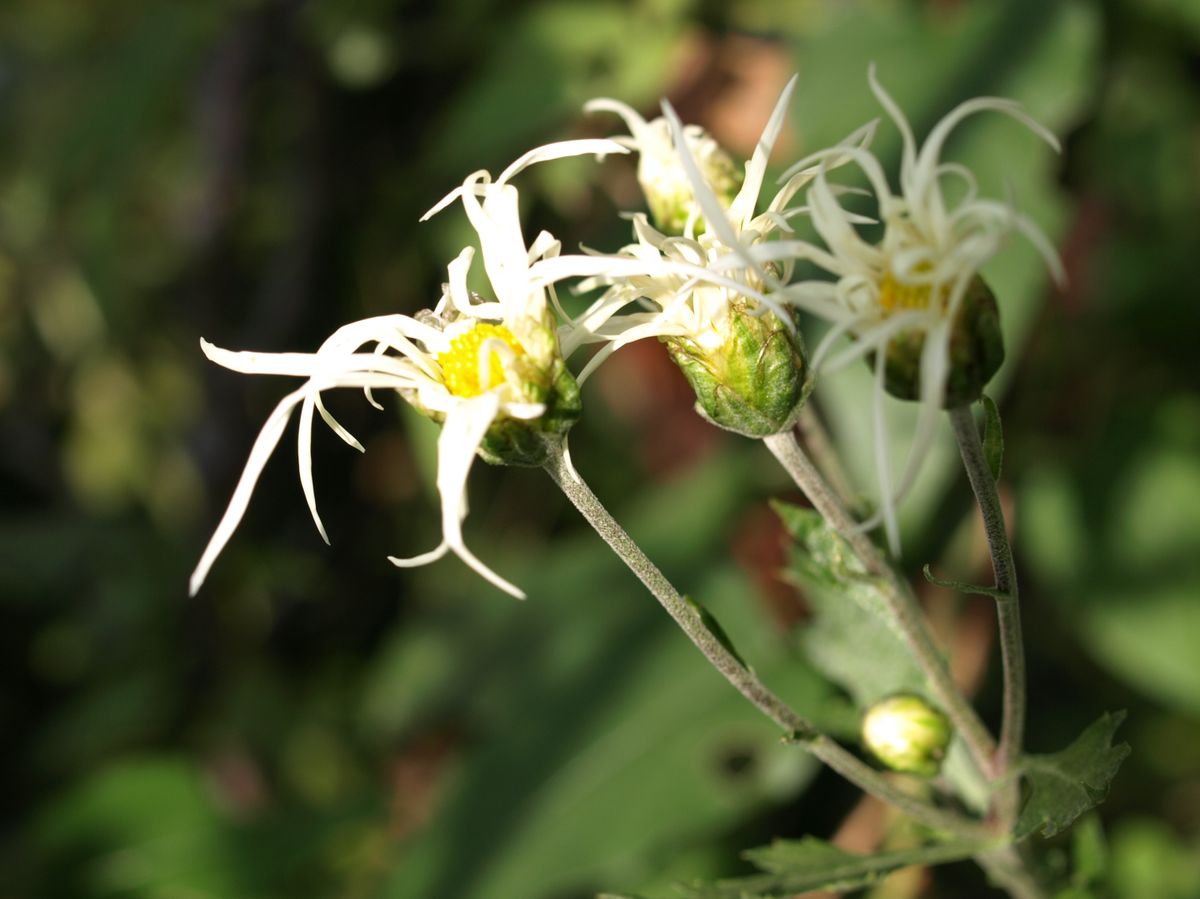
{"points": [[667, 187], [688, 285], [915, 279], [472, 364]]}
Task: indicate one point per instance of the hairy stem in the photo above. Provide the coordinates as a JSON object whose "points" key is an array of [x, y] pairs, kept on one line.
{"points": [[1012, 651], [820, 448], [743, 679], [898, 595]]}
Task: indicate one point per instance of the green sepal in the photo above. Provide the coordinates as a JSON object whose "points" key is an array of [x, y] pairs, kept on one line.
{"points": [[754, 383], [514, 441], [976, 352]]}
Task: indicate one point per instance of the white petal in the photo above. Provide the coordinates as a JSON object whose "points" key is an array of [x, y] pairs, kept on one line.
{"points": [[264, 445], [742, 207], [462, 432], [715, 216], [597, 147]]}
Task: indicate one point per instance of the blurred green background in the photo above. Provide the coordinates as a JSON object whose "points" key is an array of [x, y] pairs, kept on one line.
{"points": [[317, 723]]}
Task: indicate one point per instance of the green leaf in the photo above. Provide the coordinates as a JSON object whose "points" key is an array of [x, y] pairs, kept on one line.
{"points": [[794, 866], [993, 436], [1066, 784], [862, 653], [714, 628], [1089, 851], [603, 737]]}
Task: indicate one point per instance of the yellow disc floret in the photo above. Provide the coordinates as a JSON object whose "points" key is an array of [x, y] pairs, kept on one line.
{"points": [[460, 364], [895, 296]]}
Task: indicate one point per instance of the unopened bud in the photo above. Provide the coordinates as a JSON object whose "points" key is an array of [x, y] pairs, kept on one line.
{"points": [[750, 375], [907, 734]]}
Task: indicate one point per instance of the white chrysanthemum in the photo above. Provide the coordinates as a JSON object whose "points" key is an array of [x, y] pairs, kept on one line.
{"points": [[915, 279], [470, 363], [666, 184], [688, 284]]}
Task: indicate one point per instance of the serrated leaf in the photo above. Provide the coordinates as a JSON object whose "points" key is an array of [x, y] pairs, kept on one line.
{"points": [[795, 866], [993, 436], [1066, 784]]}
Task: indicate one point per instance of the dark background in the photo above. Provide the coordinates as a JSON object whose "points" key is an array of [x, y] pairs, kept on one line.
{"points": [[318, 723]]}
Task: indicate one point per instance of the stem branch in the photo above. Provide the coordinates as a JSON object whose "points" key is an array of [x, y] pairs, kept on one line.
{"points": [[745, 681], [900, 600], [1008, 610]]}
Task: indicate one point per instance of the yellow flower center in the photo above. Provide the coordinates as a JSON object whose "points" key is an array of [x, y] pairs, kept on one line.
{"points": [[894, 296], [460, 363]]}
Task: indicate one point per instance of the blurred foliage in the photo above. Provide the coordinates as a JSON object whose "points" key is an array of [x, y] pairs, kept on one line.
{"points": [[317, 723]]}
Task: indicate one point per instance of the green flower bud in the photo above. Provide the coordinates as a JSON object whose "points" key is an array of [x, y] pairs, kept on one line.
{"points": [[907, 734], [976, 344], [751, 377]]}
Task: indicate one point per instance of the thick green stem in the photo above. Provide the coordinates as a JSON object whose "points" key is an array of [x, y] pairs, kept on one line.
{"points": [[743, 679], [899, 597], [1012, 651]]}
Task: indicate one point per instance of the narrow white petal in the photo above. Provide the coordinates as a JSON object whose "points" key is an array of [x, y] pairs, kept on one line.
{"points": [[883, 462], [336, 426], [462, 432], [638, 127], [598, 147], [422, 558], [742, 208], [304, 460], [264, 445], [909, 155], [715, 216]]}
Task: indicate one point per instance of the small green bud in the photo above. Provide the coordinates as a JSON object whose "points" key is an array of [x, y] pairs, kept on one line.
{"points": [[751, 377], [976, 344], [907, 734]]}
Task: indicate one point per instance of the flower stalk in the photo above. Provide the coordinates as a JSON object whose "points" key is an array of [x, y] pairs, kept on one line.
{"points": [[797, 728], [1012, 650], [898, 595]]}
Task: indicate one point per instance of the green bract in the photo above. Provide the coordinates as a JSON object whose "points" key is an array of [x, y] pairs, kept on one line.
{"points": [[755, 381], [512, 441], [976, 349]]}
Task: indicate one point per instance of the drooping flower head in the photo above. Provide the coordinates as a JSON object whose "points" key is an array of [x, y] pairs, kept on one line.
{"points": [[716, 298], [489, 370], [914, 302]]}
